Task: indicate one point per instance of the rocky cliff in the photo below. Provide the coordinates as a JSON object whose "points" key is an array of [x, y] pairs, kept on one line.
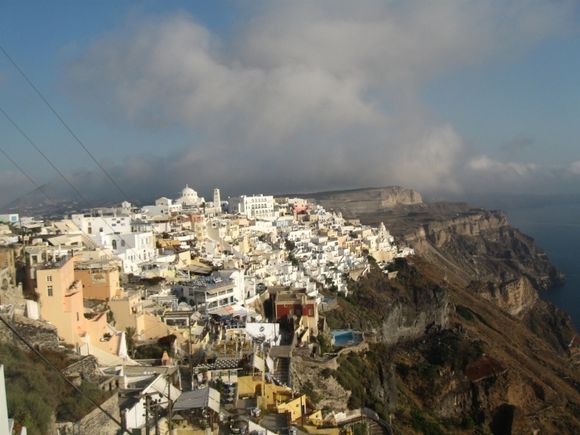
{"points": [[442, 359], [462, 329], [515, 297], [469, 245], [392, 311], [480, 245], [351, 203]]}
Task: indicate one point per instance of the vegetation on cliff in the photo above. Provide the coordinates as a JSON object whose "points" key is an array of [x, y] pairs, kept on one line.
{"points": [[484, 370], [37, 394], [372, 300]]}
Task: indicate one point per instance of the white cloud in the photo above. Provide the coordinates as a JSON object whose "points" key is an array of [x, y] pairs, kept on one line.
{"points": [[297, 98], [504, 169]]}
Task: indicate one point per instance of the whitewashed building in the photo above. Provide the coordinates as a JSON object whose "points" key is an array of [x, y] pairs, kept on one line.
{"points": [[92, 225], [257, 206], [133, 249], [163, 207]]}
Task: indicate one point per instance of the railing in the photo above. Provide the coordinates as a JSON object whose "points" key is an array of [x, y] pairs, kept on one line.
{"points": [[369, 413], [356, 415]]}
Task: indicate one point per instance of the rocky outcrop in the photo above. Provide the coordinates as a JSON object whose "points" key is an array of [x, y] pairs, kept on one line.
{"points": [[515, 297], [351, 203], [313, 374], [39, 334], [405, 320], [553, 325], [475, 248], [446, 358], [392, 311], [472, 223], [479, 245], [95, 422]]}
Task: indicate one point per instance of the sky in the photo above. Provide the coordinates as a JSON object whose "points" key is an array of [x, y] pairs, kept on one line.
{"points": [[448, 97]]}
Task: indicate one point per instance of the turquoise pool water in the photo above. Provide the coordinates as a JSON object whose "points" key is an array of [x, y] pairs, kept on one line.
{"points": [[345, 337]]}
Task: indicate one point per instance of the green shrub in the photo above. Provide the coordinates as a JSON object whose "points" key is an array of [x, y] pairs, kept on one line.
{"points": [[308, 389], [35, 392], [420, 422]]}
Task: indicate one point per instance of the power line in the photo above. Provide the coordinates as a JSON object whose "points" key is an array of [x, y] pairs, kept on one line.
{"points": [[20, 169], [62, 121], [31, 142], [59, 172], [26, 174], [52, 366]]}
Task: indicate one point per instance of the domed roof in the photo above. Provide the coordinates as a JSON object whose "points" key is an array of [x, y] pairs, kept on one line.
{"points": [[188, 191]]}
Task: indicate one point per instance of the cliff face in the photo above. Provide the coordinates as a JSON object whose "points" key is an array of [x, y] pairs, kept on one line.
{"points": [[515, 297], [472, 343], [404, 321], [479, 245], [472, 223], [441, 356], [392, 311], [352, 203]]}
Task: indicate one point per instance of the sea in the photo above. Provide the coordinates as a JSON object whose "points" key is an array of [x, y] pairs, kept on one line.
{"points": [[556, 230]]}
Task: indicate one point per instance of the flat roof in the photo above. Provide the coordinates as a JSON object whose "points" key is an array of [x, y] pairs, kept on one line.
{"points": [[57, 264]]}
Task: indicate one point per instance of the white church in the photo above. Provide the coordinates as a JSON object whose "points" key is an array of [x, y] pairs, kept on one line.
{"points": [[189, 198]]}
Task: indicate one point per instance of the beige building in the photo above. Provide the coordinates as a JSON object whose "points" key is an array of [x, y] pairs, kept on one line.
{"points": [[127, 311], [60, 296], [61, 303], [100, 279]]}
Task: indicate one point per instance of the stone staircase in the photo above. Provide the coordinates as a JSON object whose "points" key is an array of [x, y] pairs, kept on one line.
{"points": [[375, 429], [282, 370]]}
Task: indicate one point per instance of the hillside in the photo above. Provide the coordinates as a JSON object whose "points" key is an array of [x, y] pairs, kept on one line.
{"points": [[460, 342], [38, 396]]}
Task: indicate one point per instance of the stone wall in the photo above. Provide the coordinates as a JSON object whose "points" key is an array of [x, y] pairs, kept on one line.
{"points": [[85, 368], [95, 422], [39, 334]]}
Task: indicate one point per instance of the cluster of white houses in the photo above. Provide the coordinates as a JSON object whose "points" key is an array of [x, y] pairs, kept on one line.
{"points": [[215, 260]]}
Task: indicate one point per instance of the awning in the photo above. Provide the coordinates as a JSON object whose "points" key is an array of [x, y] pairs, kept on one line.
{"points": [[198, 399]]}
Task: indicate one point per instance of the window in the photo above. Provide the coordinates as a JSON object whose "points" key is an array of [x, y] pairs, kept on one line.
{"points": [[49, 288], [78, 317], [49, 278]]}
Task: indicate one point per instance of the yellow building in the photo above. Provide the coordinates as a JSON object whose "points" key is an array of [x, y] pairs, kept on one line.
{"points": [[60, 296], [268, 396], [297, 408]]}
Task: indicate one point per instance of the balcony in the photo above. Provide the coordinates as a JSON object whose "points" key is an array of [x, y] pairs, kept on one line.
{"points": [[75, 287]]}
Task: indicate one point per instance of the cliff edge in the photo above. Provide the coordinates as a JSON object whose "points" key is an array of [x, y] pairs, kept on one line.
{"points": [[460, 340], [352, 203]]}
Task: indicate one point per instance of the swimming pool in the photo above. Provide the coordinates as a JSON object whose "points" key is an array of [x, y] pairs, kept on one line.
{"points": [[345, 337]]}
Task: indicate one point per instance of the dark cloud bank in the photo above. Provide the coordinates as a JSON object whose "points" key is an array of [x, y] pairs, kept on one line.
{"points": [[308, 96]]}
